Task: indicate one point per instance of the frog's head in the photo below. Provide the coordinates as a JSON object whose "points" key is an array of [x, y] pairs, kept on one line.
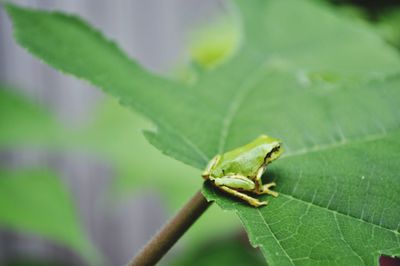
{"points": [[275, 153], [273, 147]]}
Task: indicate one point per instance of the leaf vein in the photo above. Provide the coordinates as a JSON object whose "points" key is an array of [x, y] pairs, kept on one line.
{"points": [[274, 236], [344, 240], [338, 212], [334, 145], [243, 91]]}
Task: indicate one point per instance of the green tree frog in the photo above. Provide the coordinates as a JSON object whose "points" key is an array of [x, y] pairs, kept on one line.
{"points": [[240, 170]]}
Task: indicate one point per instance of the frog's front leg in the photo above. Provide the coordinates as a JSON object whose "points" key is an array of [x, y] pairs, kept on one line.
{"points": [[210, 166], [264, 189], [231, 183]]}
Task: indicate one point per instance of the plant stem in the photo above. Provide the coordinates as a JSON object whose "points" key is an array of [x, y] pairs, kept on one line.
{"points": [[156, 248]]}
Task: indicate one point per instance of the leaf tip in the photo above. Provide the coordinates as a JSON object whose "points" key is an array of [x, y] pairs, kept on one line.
{"points": [[13, 10], [18, 17]]}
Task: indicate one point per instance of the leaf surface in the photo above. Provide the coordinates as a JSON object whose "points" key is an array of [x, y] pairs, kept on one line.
{"points": [[326, 85]]}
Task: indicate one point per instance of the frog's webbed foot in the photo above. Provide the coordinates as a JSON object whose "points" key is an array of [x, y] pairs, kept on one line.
{"points": [[250, 200], [265, 190]]}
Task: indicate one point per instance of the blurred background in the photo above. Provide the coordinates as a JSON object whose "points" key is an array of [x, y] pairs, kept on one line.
{"points": [[79, 184]]}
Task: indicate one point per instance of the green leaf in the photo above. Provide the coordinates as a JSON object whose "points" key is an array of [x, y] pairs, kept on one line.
{"points": [[35, 201], [93, 61], [326, 85]]}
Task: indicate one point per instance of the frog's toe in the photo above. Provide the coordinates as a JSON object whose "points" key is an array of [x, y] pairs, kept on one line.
{"points": [[272, 193], [266, 190], [261, 203], [272, 184]]}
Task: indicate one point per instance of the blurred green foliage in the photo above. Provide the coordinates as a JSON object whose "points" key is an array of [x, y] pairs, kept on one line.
{"points": [[34, 201], [389, 26], [215, 41], [23, 122]]}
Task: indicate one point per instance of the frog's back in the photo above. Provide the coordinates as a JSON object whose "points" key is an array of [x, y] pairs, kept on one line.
{"points": [[246, 159]]}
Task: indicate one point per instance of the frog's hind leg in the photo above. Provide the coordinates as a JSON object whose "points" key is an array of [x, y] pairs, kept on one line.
{"points": [[231, 183], [235, 181], [264, 189], [250, 200]]}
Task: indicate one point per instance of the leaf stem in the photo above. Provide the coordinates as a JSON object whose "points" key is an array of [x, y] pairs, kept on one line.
{"points": [[156, 248]]}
